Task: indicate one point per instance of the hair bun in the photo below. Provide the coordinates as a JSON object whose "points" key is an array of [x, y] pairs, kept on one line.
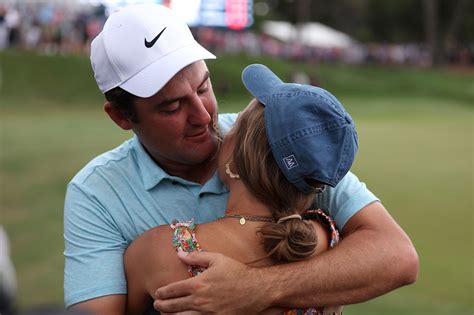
{"points": [[289, 241]]}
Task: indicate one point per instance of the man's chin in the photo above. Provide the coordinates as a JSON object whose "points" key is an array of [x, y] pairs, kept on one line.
{"points": [[201, 156], [212, 154]]}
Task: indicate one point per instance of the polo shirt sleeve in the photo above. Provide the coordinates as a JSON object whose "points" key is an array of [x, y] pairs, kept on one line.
{"points": [[94, 248], [345, 200]]}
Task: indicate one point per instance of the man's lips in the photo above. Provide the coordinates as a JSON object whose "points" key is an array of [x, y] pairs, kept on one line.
{"points": [[199, 134]]}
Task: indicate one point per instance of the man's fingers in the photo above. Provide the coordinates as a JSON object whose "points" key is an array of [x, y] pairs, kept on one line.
{"points": [[175, 305], [176, 297], [202, 259], [175, 290]]}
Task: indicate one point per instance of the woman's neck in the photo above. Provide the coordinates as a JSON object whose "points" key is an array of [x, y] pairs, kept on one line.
{"points": [[242, 202]]}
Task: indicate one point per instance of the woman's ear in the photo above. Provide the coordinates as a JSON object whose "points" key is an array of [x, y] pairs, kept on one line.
{"points": [[118, 117]]}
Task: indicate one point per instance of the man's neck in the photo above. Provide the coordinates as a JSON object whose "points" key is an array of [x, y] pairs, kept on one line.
{"points": [[199, 173]]}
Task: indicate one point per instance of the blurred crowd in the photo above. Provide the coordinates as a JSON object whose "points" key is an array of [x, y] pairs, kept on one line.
{"points": [[50, 28], [251, 43], [68, 27]]}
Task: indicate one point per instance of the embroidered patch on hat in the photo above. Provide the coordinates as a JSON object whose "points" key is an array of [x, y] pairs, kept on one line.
{"points": [[290, 162]]}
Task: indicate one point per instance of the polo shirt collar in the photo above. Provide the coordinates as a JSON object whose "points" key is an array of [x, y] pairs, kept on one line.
{"points": [[151, 173], [214, 185]]}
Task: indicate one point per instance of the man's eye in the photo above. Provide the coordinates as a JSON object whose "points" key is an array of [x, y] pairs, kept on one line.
{"points": [[171, 108], [203, 88]]}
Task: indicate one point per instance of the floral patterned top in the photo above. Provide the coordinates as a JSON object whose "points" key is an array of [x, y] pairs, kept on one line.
{"points": [[184, 240]]}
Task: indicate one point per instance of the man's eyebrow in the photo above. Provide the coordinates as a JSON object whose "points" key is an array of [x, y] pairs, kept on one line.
{"points": [[172, 100]]}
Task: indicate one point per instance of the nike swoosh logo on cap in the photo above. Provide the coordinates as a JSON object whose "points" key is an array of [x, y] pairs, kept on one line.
{"points": [[150, 44]]}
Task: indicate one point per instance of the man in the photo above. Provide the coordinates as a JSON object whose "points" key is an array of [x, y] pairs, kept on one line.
{"points": [[8, 284], [156, 83]]}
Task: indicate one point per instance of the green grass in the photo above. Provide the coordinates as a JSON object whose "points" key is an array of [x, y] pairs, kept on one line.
{"points": [[416, 154], [41, 80]]}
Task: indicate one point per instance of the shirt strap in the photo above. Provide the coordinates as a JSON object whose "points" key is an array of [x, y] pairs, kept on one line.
{"points": [[328, 221]]}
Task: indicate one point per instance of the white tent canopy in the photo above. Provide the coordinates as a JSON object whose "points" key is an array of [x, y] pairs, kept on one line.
{"points": [[311, 34]]}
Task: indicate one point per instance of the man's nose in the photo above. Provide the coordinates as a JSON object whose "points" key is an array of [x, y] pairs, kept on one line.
{"points": [[199, 114]]}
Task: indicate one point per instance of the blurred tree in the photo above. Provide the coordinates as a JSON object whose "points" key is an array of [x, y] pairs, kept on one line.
{"points": [[430, 8], [459, 30], [303, 15], [443, 27], [395, 21], [456, 23]]}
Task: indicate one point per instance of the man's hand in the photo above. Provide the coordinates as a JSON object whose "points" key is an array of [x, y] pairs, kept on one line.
{"points": [[226, 287]]}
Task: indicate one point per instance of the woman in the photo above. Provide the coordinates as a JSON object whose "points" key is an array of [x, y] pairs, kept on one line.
{"points": [[288, 144]]}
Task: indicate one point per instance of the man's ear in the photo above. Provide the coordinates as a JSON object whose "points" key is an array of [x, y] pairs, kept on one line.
{"points": [[117, 116]]}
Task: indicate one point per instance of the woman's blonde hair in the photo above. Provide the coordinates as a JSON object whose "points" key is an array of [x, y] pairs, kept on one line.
{"points": [[294, 239]]}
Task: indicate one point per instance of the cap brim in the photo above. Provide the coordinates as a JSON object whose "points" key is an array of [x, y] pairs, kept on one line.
{"points": [[260, 81], [154, 77]]}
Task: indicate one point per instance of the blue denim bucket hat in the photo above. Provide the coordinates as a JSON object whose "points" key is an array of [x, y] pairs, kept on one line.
{"points": [[310, 133]]}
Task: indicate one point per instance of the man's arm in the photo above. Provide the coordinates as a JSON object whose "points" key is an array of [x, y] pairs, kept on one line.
{"points": [[374, 257], [93, 275], [106, 305]]}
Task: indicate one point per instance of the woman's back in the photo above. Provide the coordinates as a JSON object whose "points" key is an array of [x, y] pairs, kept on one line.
{"points": [[242, 242], [162, 265]]}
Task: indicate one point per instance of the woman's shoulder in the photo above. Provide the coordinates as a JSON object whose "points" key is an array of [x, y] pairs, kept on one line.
{"points": [[152, 258], [157, 236], [155, 244]]}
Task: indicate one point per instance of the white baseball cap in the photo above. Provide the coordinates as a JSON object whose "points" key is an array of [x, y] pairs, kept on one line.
{"points": [[141, 47]]}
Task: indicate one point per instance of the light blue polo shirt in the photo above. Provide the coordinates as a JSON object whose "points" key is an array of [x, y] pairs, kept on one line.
{"points": [[123, 192]]}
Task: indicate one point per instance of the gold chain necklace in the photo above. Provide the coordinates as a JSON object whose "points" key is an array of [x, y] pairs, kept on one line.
{"points": [[244, 218]]}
